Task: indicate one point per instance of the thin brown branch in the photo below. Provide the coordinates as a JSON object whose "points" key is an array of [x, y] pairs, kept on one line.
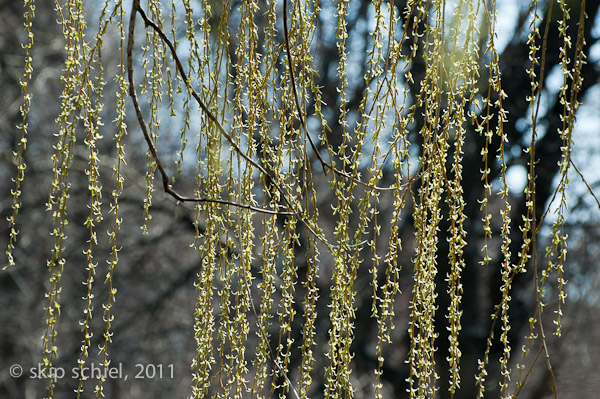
{"points": [[165, 177], [521, 384], [136, 8], [186, 80], [589, 188]]}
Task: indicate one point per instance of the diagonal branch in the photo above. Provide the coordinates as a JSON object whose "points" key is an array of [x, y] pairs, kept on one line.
{"points": [[165, 177], [136, 8]]}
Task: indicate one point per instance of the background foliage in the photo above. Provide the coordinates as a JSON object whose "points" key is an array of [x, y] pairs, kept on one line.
{"points": [[325, 208]]}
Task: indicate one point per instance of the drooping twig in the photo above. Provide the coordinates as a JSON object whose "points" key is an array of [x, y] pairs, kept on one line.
{"points": [[589, 188], [136, 8], [165, 177]]}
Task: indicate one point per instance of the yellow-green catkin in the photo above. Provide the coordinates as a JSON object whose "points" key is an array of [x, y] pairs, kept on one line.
{"points": [[74, 97], [29, 16]]}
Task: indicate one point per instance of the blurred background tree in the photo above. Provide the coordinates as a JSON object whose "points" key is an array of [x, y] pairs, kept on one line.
{"points": [[337, 219]]}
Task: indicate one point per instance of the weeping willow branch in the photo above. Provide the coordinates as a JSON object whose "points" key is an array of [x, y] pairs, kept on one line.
{"points": [[136, 8], [132, 92]]}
